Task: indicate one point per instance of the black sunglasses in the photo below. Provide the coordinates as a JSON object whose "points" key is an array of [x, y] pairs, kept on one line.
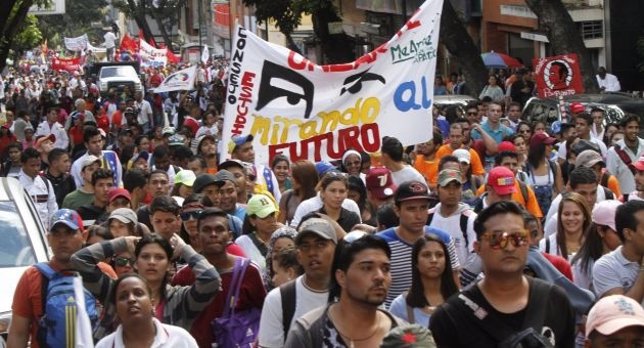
{"points": [[186, 215], [120, 261]]}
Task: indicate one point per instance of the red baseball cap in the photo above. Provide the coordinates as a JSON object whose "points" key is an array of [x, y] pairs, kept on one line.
{"points": [[118, 192], [577, 108], [542, 138], [380, 183], [501, 179], [44, 138], [639, 165], [506, 146]]}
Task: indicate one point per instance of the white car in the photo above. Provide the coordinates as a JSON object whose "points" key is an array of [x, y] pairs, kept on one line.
{"points": [[117, 77], [23, 242]]}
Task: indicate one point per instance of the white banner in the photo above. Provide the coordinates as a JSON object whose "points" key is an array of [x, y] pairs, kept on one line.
{"points": [[182, 80], [151, 56], [96, 49], [306, 111], [76, 43]]}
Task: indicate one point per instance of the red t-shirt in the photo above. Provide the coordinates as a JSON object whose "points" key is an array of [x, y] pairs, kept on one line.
{"points": [[251, 295], [560, 264]]}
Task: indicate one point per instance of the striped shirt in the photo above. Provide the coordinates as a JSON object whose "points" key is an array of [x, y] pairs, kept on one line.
{"points": [[401, 259]]}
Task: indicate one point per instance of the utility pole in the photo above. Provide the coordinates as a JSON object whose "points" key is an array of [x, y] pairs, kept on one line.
{"points": [[200, 9]]}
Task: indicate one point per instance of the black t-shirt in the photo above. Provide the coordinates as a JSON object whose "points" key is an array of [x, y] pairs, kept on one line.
{"points": [[91, 212], [558, 324]]}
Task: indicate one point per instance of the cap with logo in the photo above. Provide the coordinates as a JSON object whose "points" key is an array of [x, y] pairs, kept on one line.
{"points": [[613, 313], [260, 206], [380, 183], [124, 215], [501, 179], [463, 155], [410, 190], [317, 226], [118, 193], [67, 217], [446, 176]]}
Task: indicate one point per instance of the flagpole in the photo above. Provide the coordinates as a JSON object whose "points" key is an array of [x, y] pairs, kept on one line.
{"points": [[200, 5]]}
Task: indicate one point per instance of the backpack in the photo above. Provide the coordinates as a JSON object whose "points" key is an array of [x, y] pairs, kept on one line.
{"points": [[236, 328], [57, 327], [462, 223]]}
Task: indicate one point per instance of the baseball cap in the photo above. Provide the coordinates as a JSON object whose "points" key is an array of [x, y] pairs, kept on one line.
{"points": [[448, 175], [323, 167], [124, 215], [117, 193], [582, 145], [501, 179], [542, 138], [224, 175], [463, 155], [42, 139], [68, 218], [191, 124], [176, 140], [604, 213], [613, 313], [89, 160], [129, 110], [577, 108], [318, 226], [506, 146], [239, 140], [639, 165], [410, 190], [168, 131], [185, 177], [202, 181], [141, 155], [260, 206], [380, 183], [231, 163], [589, 158]]}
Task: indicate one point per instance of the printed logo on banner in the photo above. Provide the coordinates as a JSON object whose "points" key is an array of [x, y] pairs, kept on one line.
{"points": [[558, 76], [307, 111]]}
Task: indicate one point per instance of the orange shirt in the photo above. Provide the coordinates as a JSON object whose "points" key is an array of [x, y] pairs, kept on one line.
{"points": [[475, 160], [428, 169], [531, 204]]}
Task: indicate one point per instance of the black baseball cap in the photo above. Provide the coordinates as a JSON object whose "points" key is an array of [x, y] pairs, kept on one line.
{"points": [[410, 190]]}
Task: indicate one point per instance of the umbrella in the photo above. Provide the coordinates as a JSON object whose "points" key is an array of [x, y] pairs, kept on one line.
{"points": [[499, 60]]}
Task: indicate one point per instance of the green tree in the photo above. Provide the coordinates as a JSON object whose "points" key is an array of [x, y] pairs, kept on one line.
{"points": [[164, 13], [12, 18], [74, 22], [29, 35], [286, 14]]}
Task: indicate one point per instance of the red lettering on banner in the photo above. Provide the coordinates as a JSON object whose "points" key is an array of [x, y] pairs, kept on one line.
{"points": [[362, 138], [305, 64], [245, 97]]}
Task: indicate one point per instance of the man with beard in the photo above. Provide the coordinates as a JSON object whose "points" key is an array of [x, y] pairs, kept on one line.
{"points": [[506, 306], [621, 157], [214, 235], [360, 278]]}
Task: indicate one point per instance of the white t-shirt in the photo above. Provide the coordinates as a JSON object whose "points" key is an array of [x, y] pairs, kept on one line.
{"points": [[251, 251], [408, 173], [271, 331], [110, 39], [169, 336], [145, 112], [452, 225], [562, 152], [315, 203]]}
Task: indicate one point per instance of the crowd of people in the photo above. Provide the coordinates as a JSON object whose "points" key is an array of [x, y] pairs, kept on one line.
{"points": [[496, 232]]}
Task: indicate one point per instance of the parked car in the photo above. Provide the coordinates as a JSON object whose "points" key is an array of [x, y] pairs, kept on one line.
{"points": [[443, 101], [117, 77], [613, 104], [24, 242]]}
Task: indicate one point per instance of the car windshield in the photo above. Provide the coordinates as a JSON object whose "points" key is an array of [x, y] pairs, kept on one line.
{"points": [[15, 249], [117, 71]]}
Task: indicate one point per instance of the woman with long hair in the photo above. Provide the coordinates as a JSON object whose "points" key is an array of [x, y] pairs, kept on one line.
{"points": [[304, 179], [281, 167], [543, 174], [432, 282], [132, 297], [525, 129], [334, 189], [173, 305], [600, 240], [572, 227], [492, 90]]}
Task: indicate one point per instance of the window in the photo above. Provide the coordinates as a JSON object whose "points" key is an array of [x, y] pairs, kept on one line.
{"points": [[592, 30], [16, 249]]}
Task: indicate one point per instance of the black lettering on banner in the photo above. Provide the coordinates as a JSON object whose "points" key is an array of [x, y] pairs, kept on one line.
{"points": [[270, 87], [356, 81]]}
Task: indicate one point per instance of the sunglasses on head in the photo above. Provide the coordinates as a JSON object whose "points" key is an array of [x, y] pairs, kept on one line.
{"points": [[498, 240], [187, 215], [123, 261]]}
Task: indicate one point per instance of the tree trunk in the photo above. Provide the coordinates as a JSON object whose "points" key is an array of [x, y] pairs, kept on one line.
{"points": [[336, 48], [164, 33], [10, 30], [460, 44], [564, 36], [290, 43], [138, 14]]}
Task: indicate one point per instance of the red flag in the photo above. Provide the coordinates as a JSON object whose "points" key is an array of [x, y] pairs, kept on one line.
{"points": [[172, 58], [129, 44], [151, 41]]}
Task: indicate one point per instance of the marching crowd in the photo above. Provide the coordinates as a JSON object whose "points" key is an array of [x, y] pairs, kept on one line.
{"points": [[496, 232]]}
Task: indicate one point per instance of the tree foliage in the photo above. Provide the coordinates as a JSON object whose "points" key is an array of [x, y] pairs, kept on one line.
{"points": [[74, 22], [164, 13], [286, 14], [29, 35], [12, 18]]}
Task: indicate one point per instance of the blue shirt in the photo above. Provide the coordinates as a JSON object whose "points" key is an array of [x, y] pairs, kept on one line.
{"points": [[497, 134]]}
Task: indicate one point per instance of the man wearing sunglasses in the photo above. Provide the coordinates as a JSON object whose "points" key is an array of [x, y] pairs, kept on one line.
{"points": [[505, 307]]}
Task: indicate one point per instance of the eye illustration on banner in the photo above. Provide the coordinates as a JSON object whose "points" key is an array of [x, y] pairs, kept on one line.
{"points": [[178, 77], [279, 81], [355, 81]]}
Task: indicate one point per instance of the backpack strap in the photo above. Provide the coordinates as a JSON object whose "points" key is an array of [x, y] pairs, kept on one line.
{"points": [[288, 293], [430, 217], [538, 298], [625, 158], [45, 269], [548, 245], [463, 223], [604, 179], [524, 191], [233, 291]]}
